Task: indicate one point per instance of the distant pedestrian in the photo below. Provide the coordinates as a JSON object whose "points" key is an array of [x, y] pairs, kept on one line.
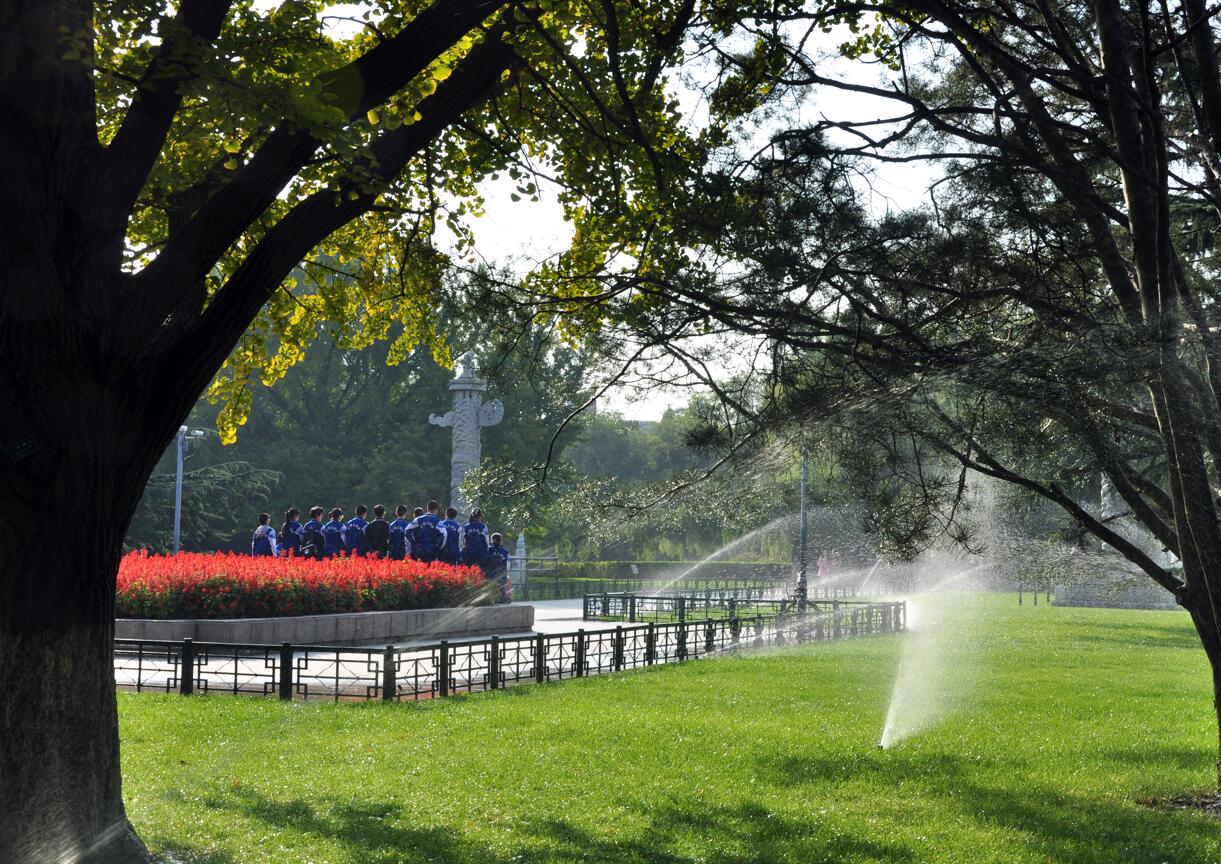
{"points": [[496, 568], [413, 534], [333, 534], [451, 550], [399, 546], [354, 532], [475, 540], [264, 542], [291, 533], [312, 543], [377, 535], [429, 537]]}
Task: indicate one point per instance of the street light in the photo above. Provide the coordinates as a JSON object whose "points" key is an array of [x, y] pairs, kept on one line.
{"points": [[801, 534], [183, 434]]}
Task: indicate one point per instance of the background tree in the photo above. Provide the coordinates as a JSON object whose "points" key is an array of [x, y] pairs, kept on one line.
{"points": [[1049, 316], [211, 495], [343, 428], [165, 169]]}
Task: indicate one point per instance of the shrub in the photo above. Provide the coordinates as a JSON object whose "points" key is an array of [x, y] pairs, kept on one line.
{"points": [[194, 585]]}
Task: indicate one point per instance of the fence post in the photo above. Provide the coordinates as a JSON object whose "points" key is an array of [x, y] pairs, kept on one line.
{"points": [[579, 660], [605, 605], [631, 609], [540, 659], [286, 671], [709, 637], [619, 648], [650, 645], [681, 651], [494, 663], [735, 626], [834, 619], [682, 611], [186, 680], [443, 667], [389, 675]]}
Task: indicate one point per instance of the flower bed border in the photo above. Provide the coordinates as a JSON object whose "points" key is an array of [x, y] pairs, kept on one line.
{"points": [[343, 628]]}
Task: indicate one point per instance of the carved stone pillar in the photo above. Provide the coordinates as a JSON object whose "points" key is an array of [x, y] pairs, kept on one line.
{"points": [[470, 413]]}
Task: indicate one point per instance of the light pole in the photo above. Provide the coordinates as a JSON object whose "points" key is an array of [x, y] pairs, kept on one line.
{"points": [[801, 532], [183, 434]]}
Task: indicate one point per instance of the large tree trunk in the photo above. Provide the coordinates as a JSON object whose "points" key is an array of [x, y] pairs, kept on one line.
{"points": [[59, 769], [1203, 615], [67, 492]]}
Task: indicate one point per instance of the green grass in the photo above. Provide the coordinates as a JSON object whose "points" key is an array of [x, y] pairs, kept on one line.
{"points": [[1064, 720]]}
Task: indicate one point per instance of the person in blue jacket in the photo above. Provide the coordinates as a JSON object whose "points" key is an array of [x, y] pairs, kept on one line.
{"points": [[354, 536], [451, 550], [496, 567], [399, 545], [413, 534], [475, 540], [312, 541], [291, 533], [429, 537], [333, 534], [263, 543]]}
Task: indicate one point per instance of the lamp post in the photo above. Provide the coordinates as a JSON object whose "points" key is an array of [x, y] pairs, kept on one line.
{"points": [[183, 434], [801, 532]]}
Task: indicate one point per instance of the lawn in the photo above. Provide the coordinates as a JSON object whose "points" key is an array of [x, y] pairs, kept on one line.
{"points": [[1048, 728]]}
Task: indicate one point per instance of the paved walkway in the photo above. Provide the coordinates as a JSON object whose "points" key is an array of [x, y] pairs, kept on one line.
{"points": [[564, 616], [344, 670]]}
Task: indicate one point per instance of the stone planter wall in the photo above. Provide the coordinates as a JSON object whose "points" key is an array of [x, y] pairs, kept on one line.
{"points": [[348, 628]]}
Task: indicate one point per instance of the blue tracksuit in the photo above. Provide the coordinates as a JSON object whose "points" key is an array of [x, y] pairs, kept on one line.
{"points": [[451, 552], [497, 564], [474, 543], [264, 542], [290, 539], [354, 538], [428, 538], [332, 533], [400, 546], [311, 535]]}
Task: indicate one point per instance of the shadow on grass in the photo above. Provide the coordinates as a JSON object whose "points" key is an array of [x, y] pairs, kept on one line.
{"points": [[1082, 829], [715, 834]]}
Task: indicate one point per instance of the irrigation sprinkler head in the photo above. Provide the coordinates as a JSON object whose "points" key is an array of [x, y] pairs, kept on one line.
{"points": [[881, 746]]}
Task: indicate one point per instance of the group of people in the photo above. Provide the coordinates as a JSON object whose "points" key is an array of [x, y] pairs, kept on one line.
{"points": [[425, 537]]}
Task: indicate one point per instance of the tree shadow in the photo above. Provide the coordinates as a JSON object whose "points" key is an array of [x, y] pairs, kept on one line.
{"points": [[1057, 826], [369, 831], [748, 833]]}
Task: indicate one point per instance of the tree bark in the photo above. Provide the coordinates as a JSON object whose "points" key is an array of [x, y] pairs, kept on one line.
{"points": [[60, 792], [77, 443], [1203, 615]]}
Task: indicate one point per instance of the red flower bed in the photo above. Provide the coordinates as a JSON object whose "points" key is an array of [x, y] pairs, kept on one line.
{"points": [[192, 585]]}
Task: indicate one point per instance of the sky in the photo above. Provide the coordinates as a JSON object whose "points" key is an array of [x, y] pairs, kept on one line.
{"points": [[527, 232], [524, 232]]}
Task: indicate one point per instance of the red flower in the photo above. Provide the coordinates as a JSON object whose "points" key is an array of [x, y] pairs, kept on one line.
{"points": [[193, 585]]}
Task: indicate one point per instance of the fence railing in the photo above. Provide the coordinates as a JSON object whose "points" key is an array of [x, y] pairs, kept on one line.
{"points": [[631, 607], [446, 668], [541, 588]]}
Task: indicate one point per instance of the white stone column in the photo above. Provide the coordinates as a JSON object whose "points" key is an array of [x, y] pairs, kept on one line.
{"points": [[470, 413]]}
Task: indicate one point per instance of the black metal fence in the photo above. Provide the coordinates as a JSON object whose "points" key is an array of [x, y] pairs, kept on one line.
{"points": [[631, 607], [446, 668], [541, 588]]}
